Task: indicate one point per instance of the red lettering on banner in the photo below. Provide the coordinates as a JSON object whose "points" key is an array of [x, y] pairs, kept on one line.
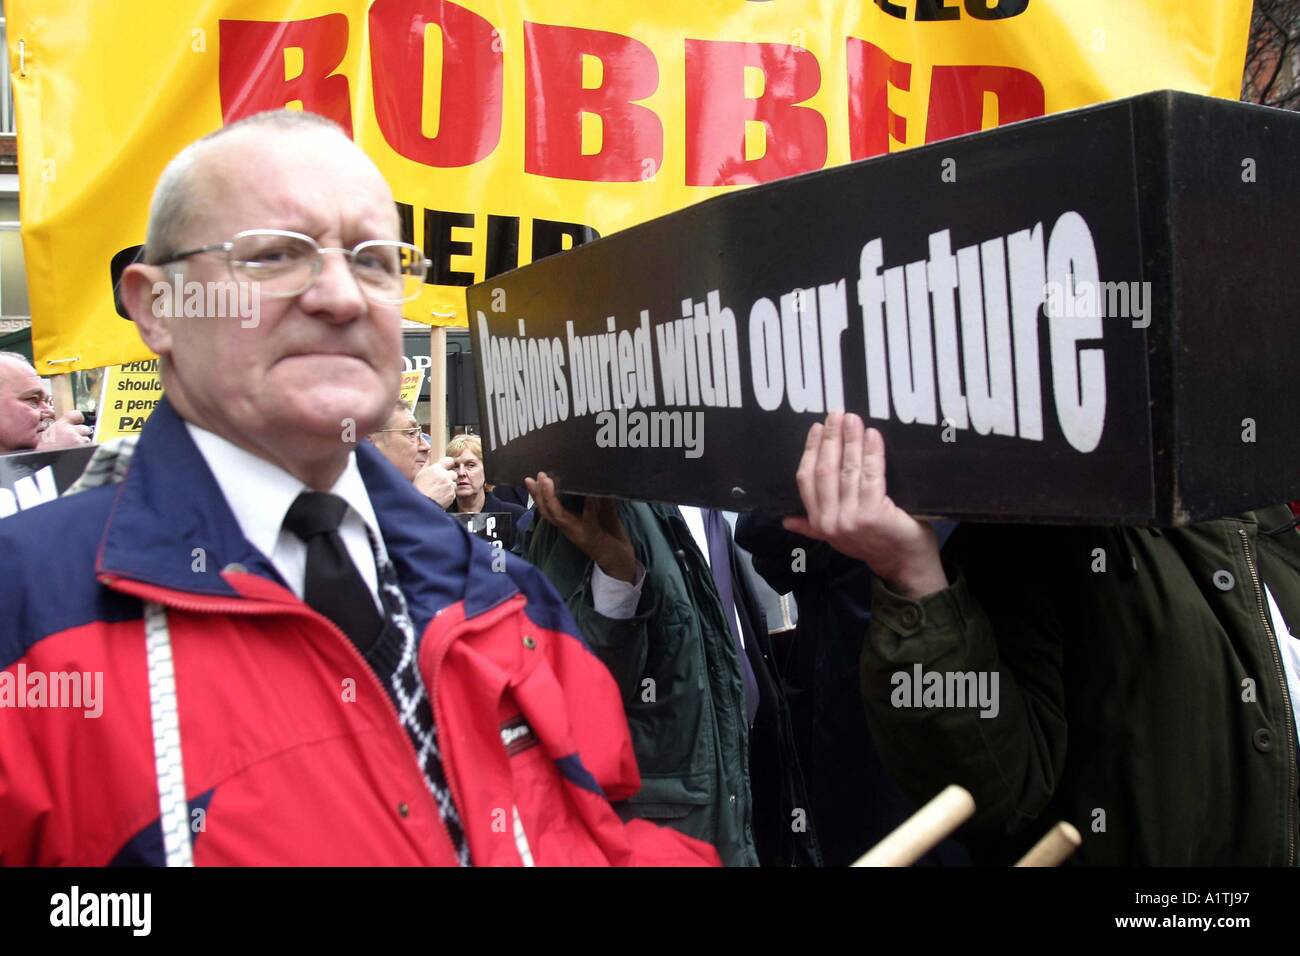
{"points": [[252, 67], [253, 64], [632, 137], [957, 98], [469, 114], [871, 72], [717, 108]]}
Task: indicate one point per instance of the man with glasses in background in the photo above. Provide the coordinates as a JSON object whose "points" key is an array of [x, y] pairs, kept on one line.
{"points": [[422, 453], [405, 445], [399, 440], [27, 420], [272, 608]]}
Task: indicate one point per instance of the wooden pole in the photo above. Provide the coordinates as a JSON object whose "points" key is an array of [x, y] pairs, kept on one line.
{"points": [[923, 830], [1054, 848], [438, 391], [61, 393]]}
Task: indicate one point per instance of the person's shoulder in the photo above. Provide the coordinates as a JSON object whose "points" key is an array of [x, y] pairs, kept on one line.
{"points": [[511, 494], [508, 507], [47, 570], [58, 525], [543, 604]]}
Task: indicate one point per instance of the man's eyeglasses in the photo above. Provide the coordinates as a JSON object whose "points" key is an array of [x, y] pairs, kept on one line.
{"points": [[411, 432], [286, 264], [43, 400]]}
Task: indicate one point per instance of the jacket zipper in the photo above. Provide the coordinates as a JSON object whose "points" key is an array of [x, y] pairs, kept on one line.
{"points": [[242, 607], [1286, 697]]}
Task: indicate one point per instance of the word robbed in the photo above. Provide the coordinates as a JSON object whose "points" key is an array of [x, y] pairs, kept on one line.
{"points": [[953, 337]]}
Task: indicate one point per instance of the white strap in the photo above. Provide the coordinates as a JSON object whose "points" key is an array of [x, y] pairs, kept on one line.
{"points": [[521, 841], [173, 809]]}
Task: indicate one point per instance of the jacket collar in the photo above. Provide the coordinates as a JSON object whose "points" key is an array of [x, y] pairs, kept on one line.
{"points": [[437, 561], [170, 527]]}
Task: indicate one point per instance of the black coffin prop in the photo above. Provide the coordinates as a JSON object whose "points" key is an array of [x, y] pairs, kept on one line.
{"points": [[1085, 318]]}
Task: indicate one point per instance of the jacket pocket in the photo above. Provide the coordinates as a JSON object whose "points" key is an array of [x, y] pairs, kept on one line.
{"points": [[669, 797]]}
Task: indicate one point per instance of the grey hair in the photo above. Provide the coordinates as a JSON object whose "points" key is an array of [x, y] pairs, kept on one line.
{"points": [[399, 407], [21, 360], [172, 210], [18, 357]]}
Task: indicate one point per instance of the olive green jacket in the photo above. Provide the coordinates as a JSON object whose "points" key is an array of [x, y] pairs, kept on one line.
{"points": [[676, 665], [1141, 692]]}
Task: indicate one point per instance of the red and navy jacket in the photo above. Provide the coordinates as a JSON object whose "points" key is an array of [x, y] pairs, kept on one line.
{"points": [[292, 751]]}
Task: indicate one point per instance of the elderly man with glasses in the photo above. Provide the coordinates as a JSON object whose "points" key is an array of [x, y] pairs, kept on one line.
{"points": [[303, 659], [27, 420], [399, 440], [406, 447]]}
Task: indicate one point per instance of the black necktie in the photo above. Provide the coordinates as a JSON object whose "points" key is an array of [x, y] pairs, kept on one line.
{"points": [[333, 586], [715, 532]]}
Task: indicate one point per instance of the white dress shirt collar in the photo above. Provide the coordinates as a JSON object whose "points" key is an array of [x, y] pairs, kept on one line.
{"points": [[260, 494]]}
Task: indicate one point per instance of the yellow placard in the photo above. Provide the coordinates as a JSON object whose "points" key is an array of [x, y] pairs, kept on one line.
{"points": [[129, 394], [412, 383], [513, 128]]}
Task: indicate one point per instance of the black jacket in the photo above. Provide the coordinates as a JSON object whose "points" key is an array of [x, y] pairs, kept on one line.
{"points": [[853, 802], [1141, 692]]}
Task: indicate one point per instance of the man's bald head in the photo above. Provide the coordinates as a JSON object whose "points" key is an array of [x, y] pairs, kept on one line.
{"points": [[317, 366], [14, 360], [181, 193]]}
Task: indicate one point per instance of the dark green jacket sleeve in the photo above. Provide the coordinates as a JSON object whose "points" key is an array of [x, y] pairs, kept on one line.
{"points": [[1011, 757], [621, 645]]}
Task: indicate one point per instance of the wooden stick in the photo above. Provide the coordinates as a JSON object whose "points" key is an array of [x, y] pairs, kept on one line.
{"points": [[61, 393], [1054, 848], [438, 436], [922, 830]]}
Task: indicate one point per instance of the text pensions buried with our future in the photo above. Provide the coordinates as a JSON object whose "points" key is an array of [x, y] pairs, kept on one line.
{"points": [[954, 337]]}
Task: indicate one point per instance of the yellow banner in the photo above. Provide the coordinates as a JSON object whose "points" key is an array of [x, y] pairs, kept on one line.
{"points": [[129, 394], [510, 129]]}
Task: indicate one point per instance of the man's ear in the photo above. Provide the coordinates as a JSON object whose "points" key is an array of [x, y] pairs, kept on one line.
{"points": [[148, 300]]}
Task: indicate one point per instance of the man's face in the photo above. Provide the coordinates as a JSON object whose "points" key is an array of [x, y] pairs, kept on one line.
{"points": [[25, 410], [469, 476], [400, 442], [422, 455], [317, 370]]}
